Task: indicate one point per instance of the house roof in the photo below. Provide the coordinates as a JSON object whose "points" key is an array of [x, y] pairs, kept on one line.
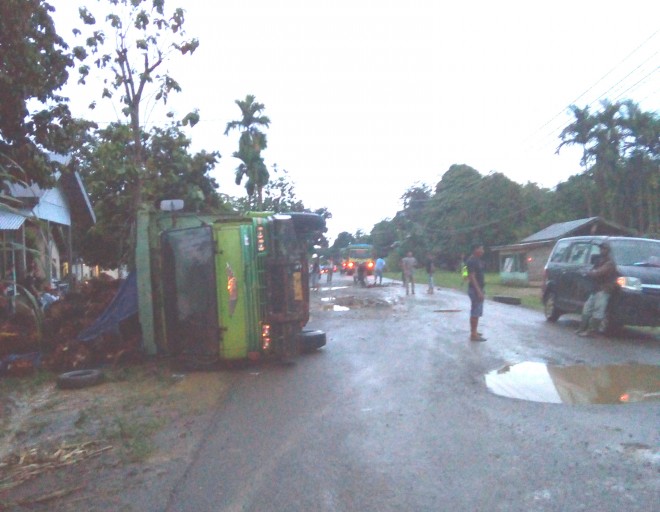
{"points": [[66, 201], [564, 229], [559, 230]]}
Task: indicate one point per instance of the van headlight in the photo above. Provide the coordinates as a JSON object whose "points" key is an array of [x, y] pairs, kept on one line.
{"points": [[630, 283]]}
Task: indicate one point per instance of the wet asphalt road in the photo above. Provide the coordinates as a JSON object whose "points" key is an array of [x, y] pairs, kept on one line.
{"points": [[394, 415]]}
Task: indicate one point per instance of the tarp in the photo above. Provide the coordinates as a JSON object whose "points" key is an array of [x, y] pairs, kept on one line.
{"points": [[123, 306]]}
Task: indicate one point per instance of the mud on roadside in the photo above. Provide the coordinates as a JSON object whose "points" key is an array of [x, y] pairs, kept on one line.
{"points": [[102, 447]]}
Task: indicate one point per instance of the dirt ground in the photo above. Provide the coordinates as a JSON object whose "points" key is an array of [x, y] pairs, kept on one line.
{"points": [[97, 448]]}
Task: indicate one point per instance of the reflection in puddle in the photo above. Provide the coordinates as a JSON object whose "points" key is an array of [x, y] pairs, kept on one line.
{"points": [[538, 382], [335, 307]]}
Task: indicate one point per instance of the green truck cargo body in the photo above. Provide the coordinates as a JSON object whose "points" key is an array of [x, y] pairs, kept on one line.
{"points": [[225, 288]]}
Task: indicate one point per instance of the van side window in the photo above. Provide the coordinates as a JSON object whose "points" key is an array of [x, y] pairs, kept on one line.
{"points": [[559, 254], [579, 253]]}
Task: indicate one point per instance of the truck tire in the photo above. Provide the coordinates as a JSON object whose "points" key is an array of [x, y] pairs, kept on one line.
{"points": [[311, 340], [79, 379]]}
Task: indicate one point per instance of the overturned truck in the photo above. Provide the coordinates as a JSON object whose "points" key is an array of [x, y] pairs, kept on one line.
{"points": [[226, 288]]}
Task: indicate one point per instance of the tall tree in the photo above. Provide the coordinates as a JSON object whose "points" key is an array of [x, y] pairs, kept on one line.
{"points": [[170, 172], [580, 133], [33, 67], [250, 145], [132, 45]]}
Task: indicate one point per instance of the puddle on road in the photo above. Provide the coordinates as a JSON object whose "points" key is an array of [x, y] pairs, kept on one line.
{"points": [[335, 307], [352, 302], [576, 385], [446, 310]]}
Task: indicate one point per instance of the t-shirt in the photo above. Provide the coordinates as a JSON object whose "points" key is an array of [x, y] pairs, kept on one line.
{"points": [[408, 264], [476, 266], [380, 264]]}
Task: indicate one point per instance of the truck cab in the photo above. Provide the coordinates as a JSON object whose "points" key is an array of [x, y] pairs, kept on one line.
{"points": [[227, 288]]}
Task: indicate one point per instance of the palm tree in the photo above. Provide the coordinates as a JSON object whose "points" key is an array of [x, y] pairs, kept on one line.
{"points": [[581, 132], [250, 145], [641, 150]]}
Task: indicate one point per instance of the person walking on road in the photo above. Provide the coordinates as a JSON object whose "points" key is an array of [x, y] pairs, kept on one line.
{"points": [[408, 265], [315, 274], [476, 284], [604, 275], [331, 269], [378, 271], [430, 269]]}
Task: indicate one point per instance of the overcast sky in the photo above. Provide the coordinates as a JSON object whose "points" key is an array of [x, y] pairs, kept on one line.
{"points": [[368, 98]]}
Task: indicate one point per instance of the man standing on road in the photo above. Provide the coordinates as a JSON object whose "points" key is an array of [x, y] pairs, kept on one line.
{"points": [[604, 274], [430, 269], [408, 265], [378, 271], [476, 284]]}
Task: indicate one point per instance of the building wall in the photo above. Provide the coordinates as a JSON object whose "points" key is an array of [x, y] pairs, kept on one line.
{"points": [[536, 260], [524, 266]]}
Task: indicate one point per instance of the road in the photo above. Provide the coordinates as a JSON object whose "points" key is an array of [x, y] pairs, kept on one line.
{"points": [[394, 415]]}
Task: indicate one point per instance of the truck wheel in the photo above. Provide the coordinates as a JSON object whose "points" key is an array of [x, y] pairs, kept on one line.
{"points": [[79, 379], [552, 314], [311, 340]]}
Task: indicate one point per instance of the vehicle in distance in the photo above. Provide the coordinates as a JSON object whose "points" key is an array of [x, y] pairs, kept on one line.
{"points": [[354, 255], [636, 300]]}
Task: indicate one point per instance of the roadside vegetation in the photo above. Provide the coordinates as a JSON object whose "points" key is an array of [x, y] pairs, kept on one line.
{"points": [[529, 296]]}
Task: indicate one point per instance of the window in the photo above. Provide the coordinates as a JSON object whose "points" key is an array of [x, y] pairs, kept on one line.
{"points": [[579, 253], [560, 252]]}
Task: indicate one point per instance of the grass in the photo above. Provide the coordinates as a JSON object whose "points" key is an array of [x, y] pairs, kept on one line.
{"points": [[530, 297]]}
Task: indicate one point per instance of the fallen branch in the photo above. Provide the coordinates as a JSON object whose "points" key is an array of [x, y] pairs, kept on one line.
{"points": [[30, 464]]}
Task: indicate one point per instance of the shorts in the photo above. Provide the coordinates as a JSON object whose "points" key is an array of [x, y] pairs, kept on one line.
{"points": [[477, 306]]}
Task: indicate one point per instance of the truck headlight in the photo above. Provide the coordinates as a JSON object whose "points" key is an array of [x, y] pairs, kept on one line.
{"points": [[630, 283]]}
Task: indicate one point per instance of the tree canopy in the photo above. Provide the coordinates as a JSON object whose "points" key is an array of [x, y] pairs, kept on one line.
{"points": [[34, 116], [170, 172], [250, 145]]}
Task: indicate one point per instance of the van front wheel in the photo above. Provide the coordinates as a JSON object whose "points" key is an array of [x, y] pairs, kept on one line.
{"points": [[552, 313]]}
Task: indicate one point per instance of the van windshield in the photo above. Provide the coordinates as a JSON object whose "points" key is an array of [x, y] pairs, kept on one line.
{"points": [[636, 252]]}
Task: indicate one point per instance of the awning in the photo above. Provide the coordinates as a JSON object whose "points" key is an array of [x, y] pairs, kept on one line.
{"points": [[11, 221]]}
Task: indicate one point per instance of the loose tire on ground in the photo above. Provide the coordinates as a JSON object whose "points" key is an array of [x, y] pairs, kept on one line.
{"points": [[312, 339], [79, 379]]}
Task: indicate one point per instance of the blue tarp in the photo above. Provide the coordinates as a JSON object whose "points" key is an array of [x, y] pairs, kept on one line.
{"points": [[123, 306]]}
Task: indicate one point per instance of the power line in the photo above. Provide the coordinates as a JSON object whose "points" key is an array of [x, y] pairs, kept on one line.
{"points": [[598, 81]]}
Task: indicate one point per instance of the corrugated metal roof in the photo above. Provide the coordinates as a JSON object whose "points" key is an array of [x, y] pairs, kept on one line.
{"points": [[10, 221], [559, 230]]}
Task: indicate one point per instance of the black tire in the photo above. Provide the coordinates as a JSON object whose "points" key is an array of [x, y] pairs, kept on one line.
{"points": [[552, 313], [610, 327], [311, 340], [79, 379]]}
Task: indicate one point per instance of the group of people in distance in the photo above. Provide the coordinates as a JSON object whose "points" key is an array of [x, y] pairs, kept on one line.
{"points": [[604, 275]]}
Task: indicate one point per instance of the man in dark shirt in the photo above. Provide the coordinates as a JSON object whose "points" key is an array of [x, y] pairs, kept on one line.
{"points": [[604, 275], [476, 284]]}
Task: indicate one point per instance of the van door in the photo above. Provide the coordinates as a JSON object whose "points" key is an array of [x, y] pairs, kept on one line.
{"points": [[574, 285]]}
